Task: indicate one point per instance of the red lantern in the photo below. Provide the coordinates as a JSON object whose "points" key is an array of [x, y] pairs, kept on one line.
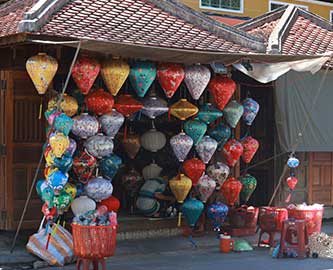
{"points": [[84, 73], [194, 168], [49, 213], [84, 166], [250, 147], [222, 89], [170, 77], [291, 182], [232, 151], [127, 105], [231, 189], [112, 203], [99, 102]]}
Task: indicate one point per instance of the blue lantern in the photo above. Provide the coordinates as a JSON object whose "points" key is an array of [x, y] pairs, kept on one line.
{"points": [[251, 109], [217, 213], [208, 113], [63, 123], [64, 164], [195, 129], [57, 180], [192, 209], [221, 133], [109, 166]]}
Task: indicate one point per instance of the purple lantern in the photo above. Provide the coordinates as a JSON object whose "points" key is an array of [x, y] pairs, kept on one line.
{"points": [[99, 146], [111, 123], [71, 148], [154, 106], [196, 79], [85, 126], [181, 145], [206, 148], [99, 189], [251, 109]]}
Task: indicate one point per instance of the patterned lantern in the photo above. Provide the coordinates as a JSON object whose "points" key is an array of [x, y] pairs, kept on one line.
{"points": [[206, 148], [233, 112], [154, 106], [192, 209], [151, 171], [250, 147], [49, 156], [82, 205], [219, 172], [99, 145], [85, 126], [196, 79], [170, 76], [232, 151], [132, 182], [183, 109], [180, 186], [64, 164], [84, 166], [71, 190], [62, 201], [52, 114], [291, 182], [84, 73], [111, 123], [57, 180], [71, 148], [206, 187], [217, 213], [195, 129], [99, 102], [112, 203], [109, 166], [45, 192], [41, 69], [127, 105], [181, 145], [251, 109], [63, 123], [99, 189], [221, 133], [114, 73], [153, 140], [132, 145], [59, 143], [68, 105], [222, 88], [293, 162], [194, 168], [142, 75], [249, 185], [208, 113], [231, 189]]}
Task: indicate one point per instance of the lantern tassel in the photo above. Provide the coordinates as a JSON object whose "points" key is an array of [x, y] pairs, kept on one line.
{"points": [[40, 109], [179, 219], [190, 238]]}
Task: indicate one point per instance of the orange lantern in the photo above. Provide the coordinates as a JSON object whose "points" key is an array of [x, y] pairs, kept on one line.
{"points": [[183, 109], [231, 189]]}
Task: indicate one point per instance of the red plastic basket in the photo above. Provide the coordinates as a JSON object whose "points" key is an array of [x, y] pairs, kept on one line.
{"points": [[313, 218], [271, 218], [94, 242], [243, 217]]}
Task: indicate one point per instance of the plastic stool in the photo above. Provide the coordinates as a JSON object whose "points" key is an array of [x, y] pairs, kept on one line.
{"points": [[294, 239], [271, 238], [86, 263]]}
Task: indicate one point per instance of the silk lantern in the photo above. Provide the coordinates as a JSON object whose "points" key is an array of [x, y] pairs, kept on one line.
{"points": [[231, 189], [153, 140], [151, 171], [293, 162], [217, 213], [84, 166], [195, 129], [85, 126], [71, 190], [51, 115], [232, 151], [192, 209], [141, 76], [99, 145], [49, 156], [57, 180], [48, 211], [114, 73], [63, 123], [251, 109], [84, 73], [71, 148], [170, 76], [59, 143], [221, 133], [64, 164], [219, 172], [154, 106], [181, 145], [206, 148], [249, 185], [222, 88], [99, 189], [233, 112], [109, 166], [196, 79], [41, 69], [45, 192], [206, 187], [82, 205], [68, 104], [111, 123], [132, 145], [112, 203], [291, 182], [194, 168], [250, 147], [183, 109], [99, 102], [127, 105], [62, 201], [208, 113]]}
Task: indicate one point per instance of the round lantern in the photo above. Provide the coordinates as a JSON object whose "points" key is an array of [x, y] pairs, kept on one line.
{"points": [[109, 166], [68, 105], [57, 180], [222, 88], [196, 79], [192, 209], [217, 213], [233, 112], [84, 166], [41, 69], [221, 133], [142, 75], [151, 171], [99, 102], [84, 73], [71, 148], [111, 123], [250, 147], [153, 140], [251, 109], [154, 106], [114, 73], [64, 164], [59, 143], [195, 129], [232, 151], [206, 148], [85, 126], [82, 205], [132, 182], [208, 113], [170, 76], [99, 146], [112, 204], [194, 168], [99, 189], [219, 172], [180, 186], [231, 189], [127, 105], [183, 109], [181, 145], [63, 123], [293, 162], [132, 145], [249, 185], [206, 187], [62, 201]]}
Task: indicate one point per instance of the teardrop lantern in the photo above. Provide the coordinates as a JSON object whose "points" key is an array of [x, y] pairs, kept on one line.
{"points": [[181, 145], [196, 79], [84, 166], [132, 145], [99, 146], [221, 133], [249, 185], [112, 203], [82, 205], [170, 76], [233, 112], [291, 182], [153, 140], [232, 151], [114, 73], [195, 129], [154, 106], [250, 147], [151, 171], [109, 166], [192, 209], [180, 186], [217, 213], [127, 105], [59, 143], [208, 113], [219, 172], [63, 123], [206, 187], [57, 180], [251, 109], [64, 164], [194, 168], [84, 73], [85, 126], [99, 189], [142, 75], [99, 102], [231, 189], [111, 123], [41, 69], [222, 88], [206, 148], [68, 105], [183, 109]]}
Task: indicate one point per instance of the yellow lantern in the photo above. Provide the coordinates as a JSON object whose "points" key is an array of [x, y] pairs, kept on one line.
{"points": [[68, 105], [71, 190], [183, 109], [59, 143], [115, 73]]}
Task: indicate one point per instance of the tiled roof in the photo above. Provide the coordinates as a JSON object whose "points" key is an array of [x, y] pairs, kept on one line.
{"points": [[227, 20]]}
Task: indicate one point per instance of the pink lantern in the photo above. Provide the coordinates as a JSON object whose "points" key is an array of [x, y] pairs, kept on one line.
{"points": [[196, 79]]}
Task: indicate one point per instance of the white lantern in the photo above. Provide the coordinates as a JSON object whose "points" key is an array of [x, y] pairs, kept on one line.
{"points": [[153, 140], [151, 171], [82, 204]]}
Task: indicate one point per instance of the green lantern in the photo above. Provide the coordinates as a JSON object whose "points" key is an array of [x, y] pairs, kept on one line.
{"points": [[249, 185]]}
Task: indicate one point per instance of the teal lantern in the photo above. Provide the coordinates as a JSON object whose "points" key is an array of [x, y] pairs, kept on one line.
{"points": [[208, 113], [195, 129], [192, 209], [64, 164], [109, 166], [63, 123], [45, 192], [63, 200], [249, 185], [233, 112], [221, 133]]}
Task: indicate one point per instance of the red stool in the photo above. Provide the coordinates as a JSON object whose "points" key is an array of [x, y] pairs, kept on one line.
{"points": [[86, 263], [294, 238]]}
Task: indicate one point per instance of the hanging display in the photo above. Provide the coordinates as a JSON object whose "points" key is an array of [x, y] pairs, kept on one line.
{"points": [[221, 133], [151, 171], [180, 186], [250, 147], [111, 123], [249, 185], [206, 187], [251, 109], [142, 75], [206, 148], [59, 143], [222, 88], [217, 213], [153, 140], [219, 172], [68, 105], [181, 145], [114, 73], [132, 145], [231, 189], [84, 166], [233, 113], [195, 129], [196, 79], [63, 124], [109, 166], [99, 102], [183, 109], [82, 205], [112, 203], [127, 105], [154, 106], [99, 146], [192, 209], [208, 113], [99, 189], [232, 151], [170, 76], [194, 168], [85, 126]]}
